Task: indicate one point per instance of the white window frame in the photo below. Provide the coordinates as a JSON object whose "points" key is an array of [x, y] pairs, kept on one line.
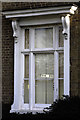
{"points": [[26, 18], [56, 49], [37, 107]]}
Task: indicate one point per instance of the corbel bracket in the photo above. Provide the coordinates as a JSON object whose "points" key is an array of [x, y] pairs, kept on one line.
{"points": [[15, 26], [65, 23]]}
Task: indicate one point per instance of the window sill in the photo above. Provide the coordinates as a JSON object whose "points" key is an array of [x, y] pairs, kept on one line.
{"points": [[22, 111]]}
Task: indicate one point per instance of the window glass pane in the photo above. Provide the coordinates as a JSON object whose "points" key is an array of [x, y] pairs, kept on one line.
{"points": [[26, 66], [44, 66], [61, 65], [44, 91], [26, 91], [61, 41], [27, 39], [44, 74], [44, 38], [61, 88]]}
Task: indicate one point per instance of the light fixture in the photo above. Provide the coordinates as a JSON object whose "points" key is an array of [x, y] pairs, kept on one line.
{"points": [[73, 9]]}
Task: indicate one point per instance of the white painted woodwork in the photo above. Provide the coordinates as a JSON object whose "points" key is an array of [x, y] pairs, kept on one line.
{"points": [[37, 12], [67, 59], [17, 73], [55, 75], [14, 26], [24, 19], [56, 57], [40, 20]]}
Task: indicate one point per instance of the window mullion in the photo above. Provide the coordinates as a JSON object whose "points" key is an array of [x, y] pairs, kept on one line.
{"points": [[56, 57], [31, 81], [31, 70]]}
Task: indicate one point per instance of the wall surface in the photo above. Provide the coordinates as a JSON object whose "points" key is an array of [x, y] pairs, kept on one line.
{"points": [[8, 49], [7, 6], [75, 54], [7, 61], [0, 53]]}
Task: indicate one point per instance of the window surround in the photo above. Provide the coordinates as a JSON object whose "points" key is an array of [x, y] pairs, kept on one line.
{"points": [[22, 19]]}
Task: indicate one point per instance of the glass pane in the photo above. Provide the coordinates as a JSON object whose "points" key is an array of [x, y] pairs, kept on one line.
{"points": [[61, 65], [27, 39], [26, 91], [44, 38], [44, 66], [26, 66], [61, 41], [44, 91], [61, 88], [44, 74]]}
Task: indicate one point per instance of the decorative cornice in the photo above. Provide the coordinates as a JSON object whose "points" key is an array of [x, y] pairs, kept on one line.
{"points": [[37, 12], [63, 11]]}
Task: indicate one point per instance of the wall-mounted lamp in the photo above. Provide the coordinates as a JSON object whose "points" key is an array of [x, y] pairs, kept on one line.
{"points": [[73, 9]]}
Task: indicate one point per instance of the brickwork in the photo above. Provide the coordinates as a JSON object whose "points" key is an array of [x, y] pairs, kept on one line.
{"points": [[30, 5], [79, 54], [8, 49], [7, 61], [0, 53], [74, 54]]}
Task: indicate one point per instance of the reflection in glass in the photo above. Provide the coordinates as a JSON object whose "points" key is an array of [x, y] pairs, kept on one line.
{"points": [[26, 66], [61, 41], [26, 91], [44, 91], [27, 39], [44, 76], [44, 38], [44, 65], [61, 88], [61, 65]]}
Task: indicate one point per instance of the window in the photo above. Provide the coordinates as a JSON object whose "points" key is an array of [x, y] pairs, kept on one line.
{"points": [[43, 66], [41, 57]]}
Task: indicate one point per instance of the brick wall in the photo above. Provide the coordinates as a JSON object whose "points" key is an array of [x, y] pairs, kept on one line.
{"points": [[79, 51], [0, 54], [7, 61], [30, 5], [79, 57], [8, 49], [75, 56]]}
